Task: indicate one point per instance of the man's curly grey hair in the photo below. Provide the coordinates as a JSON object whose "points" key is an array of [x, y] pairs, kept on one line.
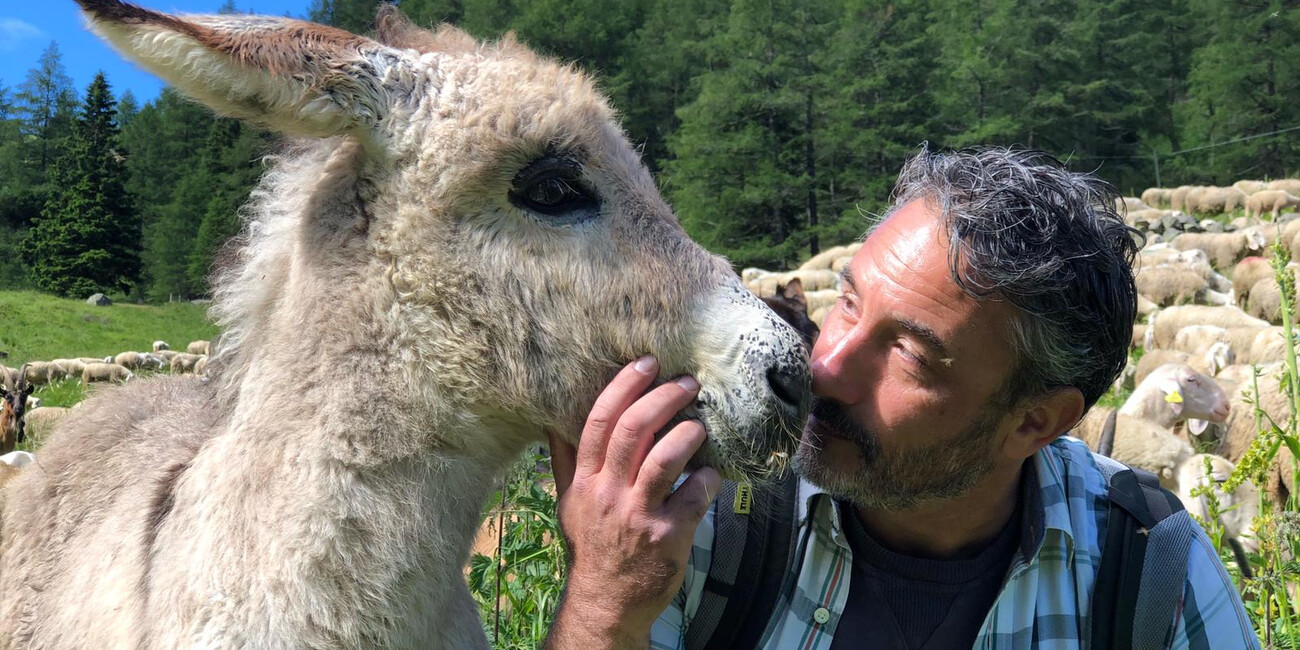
{"points": [[1024, 229]]}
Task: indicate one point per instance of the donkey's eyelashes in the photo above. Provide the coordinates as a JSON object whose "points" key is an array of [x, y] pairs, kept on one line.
{"points": [[554, 190]]}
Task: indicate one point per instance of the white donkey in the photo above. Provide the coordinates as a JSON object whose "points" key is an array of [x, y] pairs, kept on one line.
{"points": [[459, 254]]}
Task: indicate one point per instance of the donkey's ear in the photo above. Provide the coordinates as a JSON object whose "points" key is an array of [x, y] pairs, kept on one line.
{"points": [[291, 76]]}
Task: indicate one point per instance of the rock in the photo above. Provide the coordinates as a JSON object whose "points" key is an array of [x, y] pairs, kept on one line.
{"points": [[1210, 225], [99, 300]]}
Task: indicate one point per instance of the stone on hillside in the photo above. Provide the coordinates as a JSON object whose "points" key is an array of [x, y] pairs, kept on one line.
{"points": [[99, 300]]}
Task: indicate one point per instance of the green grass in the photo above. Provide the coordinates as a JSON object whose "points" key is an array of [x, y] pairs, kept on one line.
{"points": [[39, 327]]}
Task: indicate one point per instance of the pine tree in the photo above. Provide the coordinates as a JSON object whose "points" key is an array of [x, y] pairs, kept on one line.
{"points": [[87, 238], [166, 142], [1242, 83], [231, 161], [47, 103], [744, 178]]}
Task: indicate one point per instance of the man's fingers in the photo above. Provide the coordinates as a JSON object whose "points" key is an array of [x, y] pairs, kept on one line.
{"points": [[692, 499], [628, 384], [667, 460], [634, 433], [563, 460]]}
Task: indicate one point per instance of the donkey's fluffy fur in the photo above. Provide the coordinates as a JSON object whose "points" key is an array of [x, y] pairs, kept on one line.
{"points": [[398, 323]]}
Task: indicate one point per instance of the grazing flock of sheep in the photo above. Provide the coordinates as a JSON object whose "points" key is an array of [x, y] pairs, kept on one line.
{"points": [[39, 421], [1209, 314]]}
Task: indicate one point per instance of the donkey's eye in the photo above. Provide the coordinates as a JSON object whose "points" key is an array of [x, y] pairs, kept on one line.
{"points": [[555, 188]]}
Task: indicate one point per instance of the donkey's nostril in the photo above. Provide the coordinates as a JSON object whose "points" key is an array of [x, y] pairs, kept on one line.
{"points": [[789, 386]]}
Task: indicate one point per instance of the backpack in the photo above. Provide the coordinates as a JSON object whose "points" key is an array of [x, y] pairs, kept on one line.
{"points": [[1148, 534]]}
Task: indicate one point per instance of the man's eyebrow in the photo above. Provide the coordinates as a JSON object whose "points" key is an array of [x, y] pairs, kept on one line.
{"points": [[846, 279], [927, 335]]}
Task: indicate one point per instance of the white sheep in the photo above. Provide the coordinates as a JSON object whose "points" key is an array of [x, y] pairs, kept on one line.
{"points": [[1291, 185], [96, 372], [39, 423], [1166, 323], [1167, 285], [159, 346], [1237, 509], [1175, 392], [1224, 249], [1139, 443], [1250, 187], [1271, 201], [1214, 359], [184, 362], [199, 347]]}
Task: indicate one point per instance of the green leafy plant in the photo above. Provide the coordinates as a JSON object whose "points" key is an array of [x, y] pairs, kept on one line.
{"points": [[518, 584]]}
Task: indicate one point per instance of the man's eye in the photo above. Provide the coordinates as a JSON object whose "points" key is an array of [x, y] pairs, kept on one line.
{"points": [[911, 356]]}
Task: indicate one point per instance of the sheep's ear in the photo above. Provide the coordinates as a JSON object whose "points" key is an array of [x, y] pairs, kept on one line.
{"points": [[1173, 395], [295, 77]]}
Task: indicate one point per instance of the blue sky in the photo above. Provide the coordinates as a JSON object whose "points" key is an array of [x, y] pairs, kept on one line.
{"points": [[28, 26]]}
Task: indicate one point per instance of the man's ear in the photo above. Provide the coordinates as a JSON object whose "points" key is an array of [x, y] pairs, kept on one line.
{"points": [[291, 76], [1042, 420]]}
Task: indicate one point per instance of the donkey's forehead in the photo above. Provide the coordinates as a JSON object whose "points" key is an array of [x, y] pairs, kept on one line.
{"points": [[523, 97]]}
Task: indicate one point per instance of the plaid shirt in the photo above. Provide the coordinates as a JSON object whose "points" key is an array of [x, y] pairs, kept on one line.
{"points": [[1045, 599]]}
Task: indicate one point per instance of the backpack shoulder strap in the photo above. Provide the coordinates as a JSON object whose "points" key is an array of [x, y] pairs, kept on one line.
{"points": [[1139, 583], [752, 544]]}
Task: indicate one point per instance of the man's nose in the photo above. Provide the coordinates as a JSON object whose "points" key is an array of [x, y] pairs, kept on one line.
{"points": [[839, 366]]}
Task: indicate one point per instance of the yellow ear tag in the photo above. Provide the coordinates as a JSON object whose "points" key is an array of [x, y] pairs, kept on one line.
{"points": [[1174, 397], [744, 499]]}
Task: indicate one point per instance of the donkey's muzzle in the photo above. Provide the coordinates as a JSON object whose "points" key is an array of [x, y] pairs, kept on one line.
{"points": [[790, 385]]}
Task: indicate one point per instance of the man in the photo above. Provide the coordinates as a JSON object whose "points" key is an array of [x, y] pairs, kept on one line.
{"points": [[942, 509]]}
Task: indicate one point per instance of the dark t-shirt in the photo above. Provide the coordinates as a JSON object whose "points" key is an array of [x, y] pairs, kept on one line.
{"points": [[898, 601]]}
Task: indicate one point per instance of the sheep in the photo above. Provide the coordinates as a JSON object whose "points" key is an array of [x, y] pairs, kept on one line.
{"points": [[166, 356], [1250, 187], [90, 360], [1165, 253], [1268, 346], [1128, 204], [128, 360], [69, 367], [40, 373], [39, 423], [1213, 359], [1219, 200], [97, 372], [823, 260], [766, 285], [184, 362], [1139, 443], [1178, 196], [1242, 429], [823, 298], [197, 347], [1291, 185], [1172, 285], [201, 366], [1225, 249], [1148, 217], [1265, 302], [1247, 272], [841, 262], [1272, 201], [1145, 307], [1175, 392], [1166, 323], [159, 346], [819, 316], [1156, 196], [1139, 333], [1237, 509]]}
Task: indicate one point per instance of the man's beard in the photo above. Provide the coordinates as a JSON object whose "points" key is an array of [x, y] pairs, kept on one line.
{"points": [[901, 479]]}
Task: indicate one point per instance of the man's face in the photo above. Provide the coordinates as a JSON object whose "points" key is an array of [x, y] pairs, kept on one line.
{"points": [[907, 374]]}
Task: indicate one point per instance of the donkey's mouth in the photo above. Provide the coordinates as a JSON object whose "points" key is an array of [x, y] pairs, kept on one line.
{"points": [[755, 449]]}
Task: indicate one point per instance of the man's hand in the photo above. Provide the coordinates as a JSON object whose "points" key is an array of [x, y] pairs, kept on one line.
{"points": [[629, 533]]}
